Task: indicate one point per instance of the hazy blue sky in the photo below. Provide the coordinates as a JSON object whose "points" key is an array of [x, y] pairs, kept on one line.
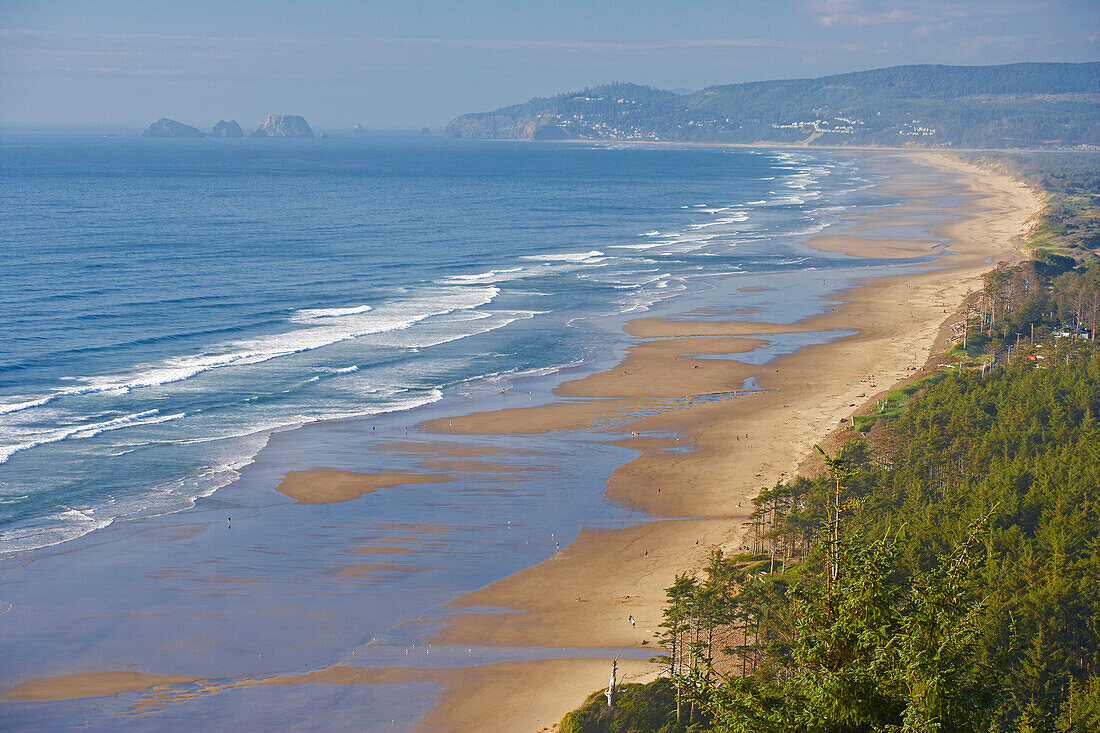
{"points": [[421, 62]]}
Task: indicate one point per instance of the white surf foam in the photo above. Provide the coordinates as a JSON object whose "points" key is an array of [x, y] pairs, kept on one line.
{"points": [[86, 430], [588, 256], [639, 246], [785, 200], [454, 328], [72, 522], [7, 408], [50, 529], [310, 314], [733, 219], [327, 327], [492, 276]]}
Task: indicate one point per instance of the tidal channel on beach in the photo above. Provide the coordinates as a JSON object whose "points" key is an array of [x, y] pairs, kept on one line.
{"points": [[220, 358]]}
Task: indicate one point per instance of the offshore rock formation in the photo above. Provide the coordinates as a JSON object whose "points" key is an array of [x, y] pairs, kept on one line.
{"points": [[226, 129], [165, 127], [284, 126]]}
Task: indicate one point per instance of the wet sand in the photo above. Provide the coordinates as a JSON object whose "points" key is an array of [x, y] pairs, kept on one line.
{"points": [[330, 486], [510, 681], [88, 684]]}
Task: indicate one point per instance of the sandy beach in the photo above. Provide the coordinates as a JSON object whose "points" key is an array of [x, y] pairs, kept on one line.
{"points": [[584, 595], [706, 426]]}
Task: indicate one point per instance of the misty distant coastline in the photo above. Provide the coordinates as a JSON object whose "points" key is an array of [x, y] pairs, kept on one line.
{"points": [[1026, 105]]}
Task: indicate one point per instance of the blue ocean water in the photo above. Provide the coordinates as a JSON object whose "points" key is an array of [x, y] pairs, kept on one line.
{"points": [[165, 305]]}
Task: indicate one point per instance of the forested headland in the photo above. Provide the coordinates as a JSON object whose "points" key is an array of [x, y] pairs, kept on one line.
{"points": [[1026, 105], [942, 573]]}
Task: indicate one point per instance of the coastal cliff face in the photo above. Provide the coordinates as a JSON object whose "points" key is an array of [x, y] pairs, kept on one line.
{"points": [[226, 129], [506, 127], [284, 126], [165, 127]]}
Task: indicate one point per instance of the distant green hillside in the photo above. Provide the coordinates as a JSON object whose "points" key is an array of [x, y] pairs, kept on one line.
{"points": [[1012, 106]]}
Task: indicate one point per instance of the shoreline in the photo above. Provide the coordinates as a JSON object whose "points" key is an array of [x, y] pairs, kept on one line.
{"points": [[614, 573], [699, 431], [802, 145]]}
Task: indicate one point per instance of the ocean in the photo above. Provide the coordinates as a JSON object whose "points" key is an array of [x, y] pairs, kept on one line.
{"points": [[166, 306]]}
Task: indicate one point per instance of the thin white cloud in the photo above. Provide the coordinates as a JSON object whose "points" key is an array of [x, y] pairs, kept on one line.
{"points": [[837, 14], [890, 16], [242, 43], [70, 54]]}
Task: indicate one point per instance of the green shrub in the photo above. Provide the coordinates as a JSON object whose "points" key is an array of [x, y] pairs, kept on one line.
{"points": [[639, 708]]}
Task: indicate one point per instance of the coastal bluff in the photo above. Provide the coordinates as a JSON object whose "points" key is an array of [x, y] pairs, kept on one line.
{"points": [[284, 126], [165, 127], [226, 129]]}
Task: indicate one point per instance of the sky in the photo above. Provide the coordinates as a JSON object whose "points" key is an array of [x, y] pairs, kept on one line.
{"points": [[411, 63]]}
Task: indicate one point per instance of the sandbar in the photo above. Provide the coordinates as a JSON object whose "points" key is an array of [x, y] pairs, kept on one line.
{"points": [[88, 684], [330, 485]]}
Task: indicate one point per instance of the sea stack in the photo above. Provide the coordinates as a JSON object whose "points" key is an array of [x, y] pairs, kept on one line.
{"points": [[284, 126], [226, 129], [165, 127]]}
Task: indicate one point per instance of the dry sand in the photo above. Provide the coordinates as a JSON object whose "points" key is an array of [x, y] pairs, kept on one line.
{"points": [[525, 695]]}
